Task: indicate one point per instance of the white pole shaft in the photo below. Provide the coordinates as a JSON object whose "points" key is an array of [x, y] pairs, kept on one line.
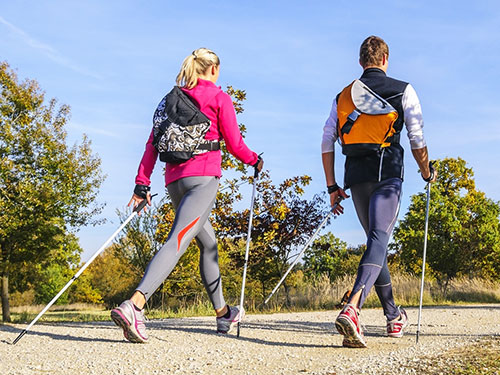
{"points": [[423, 259], [81, 270], [247, 249]]}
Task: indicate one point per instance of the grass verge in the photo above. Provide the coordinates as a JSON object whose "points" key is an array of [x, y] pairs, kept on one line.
{"points": [[480, 358]]}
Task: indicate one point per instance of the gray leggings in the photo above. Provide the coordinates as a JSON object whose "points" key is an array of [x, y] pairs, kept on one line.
{"points": [[193, 199], [377, 206]]}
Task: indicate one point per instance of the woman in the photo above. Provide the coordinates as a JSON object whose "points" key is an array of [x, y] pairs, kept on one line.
{"points": [[192, 186]]}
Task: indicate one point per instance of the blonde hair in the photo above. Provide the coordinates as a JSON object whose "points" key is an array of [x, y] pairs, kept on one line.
{"points": [[194, 65]]}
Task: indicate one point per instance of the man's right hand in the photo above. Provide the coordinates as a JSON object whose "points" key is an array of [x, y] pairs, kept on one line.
{"points": [[336, 197], [431, 175]]}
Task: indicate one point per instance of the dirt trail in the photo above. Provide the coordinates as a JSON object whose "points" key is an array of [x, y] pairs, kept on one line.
{"points": [[295, 343]]}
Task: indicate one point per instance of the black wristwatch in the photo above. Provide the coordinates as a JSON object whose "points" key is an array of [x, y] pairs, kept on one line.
{"points": [[431, 176], [333, 188]]}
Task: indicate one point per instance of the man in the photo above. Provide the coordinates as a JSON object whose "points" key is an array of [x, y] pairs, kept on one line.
{"points": [[368, 117]]}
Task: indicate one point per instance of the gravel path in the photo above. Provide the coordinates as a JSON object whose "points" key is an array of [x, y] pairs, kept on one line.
{"points": [[294, 343]]}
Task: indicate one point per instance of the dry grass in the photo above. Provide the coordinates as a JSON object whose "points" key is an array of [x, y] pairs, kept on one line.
{"points": [[76, 312], [35, 309], [322, 294]]}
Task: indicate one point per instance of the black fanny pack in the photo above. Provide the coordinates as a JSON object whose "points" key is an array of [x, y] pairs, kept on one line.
{"points": [[179, 129]]}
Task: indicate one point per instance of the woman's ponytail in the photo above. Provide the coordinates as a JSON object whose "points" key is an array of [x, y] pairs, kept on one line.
{"points": [[195, 65]]}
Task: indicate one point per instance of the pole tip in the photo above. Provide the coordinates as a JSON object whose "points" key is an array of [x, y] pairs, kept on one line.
{"points": [[19, 337]]}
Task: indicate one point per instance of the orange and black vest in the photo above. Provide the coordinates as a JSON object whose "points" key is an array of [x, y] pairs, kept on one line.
{"points": [[370, 119]]}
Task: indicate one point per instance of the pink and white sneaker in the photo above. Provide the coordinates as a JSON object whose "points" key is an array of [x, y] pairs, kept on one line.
{"points": [[348, 325], [225, 325], [396, 327], [131, 321]]}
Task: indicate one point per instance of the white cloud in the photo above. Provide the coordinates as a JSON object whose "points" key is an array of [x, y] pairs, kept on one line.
{"points": [[93, 130], [47, 50]]}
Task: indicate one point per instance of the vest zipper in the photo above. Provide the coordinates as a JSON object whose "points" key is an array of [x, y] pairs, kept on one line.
{"points": [[380, 166]]}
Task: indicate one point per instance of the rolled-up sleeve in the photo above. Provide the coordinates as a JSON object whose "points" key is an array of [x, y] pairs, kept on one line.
{"points": [[413, 118], [330, 130]]}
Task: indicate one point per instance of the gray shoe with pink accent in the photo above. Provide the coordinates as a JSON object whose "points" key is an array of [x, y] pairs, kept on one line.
{"points": [[225, 325], [131, 321]]}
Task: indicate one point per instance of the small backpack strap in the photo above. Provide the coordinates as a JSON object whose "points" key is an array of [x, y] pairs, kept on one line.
{"points": [[209, 146], [351, 119]]}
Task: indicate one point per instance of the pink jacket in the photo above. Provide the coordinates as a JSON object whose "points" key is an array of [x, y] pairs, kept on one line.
{"points": [[218, 107]]}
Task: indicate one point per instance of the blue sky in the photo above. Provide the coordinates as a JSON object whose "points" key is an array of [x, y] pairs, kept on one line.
{"points": [[113, 61]]}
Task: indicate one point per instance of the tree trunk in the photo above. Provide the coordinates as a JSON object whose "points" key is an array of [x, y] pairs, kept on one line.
{"points": [[287, 294], [5, 298]]}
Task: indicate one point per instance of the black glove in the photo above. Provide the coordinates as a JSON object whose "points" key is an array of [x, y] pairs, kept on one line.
{"points": [[431, 176], [255, 165], [142, 191]]}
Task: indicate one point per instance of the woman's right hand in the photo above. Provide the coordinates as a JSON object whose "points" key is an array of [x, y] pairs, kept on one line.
{"points": [[335, 198], [136, 200], [260, 164]]}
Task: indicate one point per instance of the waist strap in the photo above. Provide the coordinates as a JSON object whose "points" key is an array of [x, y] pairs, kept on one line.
{"points": [[209, 146]]}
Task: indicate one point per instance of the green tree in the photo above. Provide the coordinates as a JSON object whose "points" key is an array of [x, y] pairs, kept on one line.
{"points": [[331, 256], [112, 276], [283, 222], [464, 231], [139, 241], [47, 188]]}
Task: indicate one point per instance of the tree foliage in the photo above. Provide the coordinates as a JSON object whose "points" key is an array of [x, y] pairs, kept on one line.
{"points": [[139, 241], [464, 232], [331, 256], [284, 221], [112, 276], [47, 188]]}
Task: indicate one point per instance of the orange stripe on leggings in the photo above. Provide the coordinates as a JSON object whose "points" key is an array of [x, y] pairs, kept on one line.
{"points": [[184, 231]]}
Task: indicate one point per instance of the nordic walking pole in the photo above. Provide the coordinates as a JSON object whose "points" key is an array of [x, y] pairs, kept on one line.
{"points": [[247, 250], [423, 259], [135, 212], [304, 249]]}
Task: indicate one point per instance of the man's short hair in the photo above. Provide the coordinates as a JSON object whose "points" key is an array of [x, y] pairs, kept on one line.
{"points": [[372, 51]]}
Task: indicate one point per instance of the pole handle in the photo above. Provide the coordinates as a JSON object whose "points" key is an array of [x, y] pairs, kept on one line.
{"points": [[143, 204], [256, 171]]}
